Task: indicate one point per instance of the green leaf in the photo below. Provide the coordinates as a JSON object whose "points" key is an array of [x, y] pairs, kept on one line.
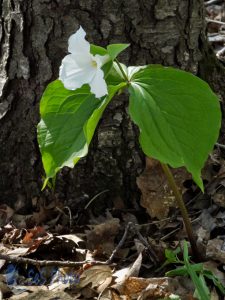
{"points": [[68, 122], [178, 116], [94, 49], [115, 76], [171, 255], [209, 274], [115, 49], [202, 290], [199, 282], [182, 271]]}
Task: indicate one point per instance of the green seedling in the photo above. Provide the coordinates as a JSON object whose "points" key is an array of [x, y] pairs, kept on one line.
{"points": [[197, 272]]}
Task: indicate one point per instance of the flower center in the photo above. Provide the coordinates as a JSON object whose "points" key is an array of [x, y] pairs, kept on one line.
{"points": [[94, 63]]}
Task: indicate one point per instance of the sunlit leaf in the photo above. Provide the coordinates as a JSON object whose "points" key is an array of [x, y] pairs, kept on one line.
{"points": [[178, 116]]}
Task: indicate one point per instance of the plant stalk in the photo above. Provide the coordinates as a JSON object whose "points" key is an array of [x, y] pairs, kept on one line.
{"points": [[183, 210]]}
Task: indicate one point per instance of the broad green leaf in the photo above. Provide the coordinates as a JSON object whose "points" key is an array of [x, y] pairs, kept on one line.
{"points": [[94, 49], [115, 76], [60, 131], [106, 68], [115, 49], [178, 116], [68, 122]]}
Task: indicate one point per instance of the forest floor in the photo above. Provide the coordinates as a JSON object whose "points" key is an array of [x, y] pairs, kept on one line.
{"points": [[123, 253]]}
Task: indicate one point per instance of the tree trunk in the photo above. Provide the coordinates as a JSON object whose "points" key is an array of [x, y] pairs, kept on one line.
{"points": [[34, 37]]}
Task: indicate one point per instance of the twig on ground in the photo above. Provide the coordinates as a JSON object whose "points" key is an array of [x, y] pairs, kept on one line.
{"points": [[70, 215], [175, 230], [42, 263], [211, 2], [153, 256], [121, 242], [220, 145], [62, 212], [132, 226], [95, 197], [154, 222], [215, 21], [216, 38], [169, 234]]}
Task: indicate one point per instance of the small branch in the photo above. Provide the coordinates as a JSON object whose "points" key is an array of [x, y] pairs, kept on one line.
{"points": [[70, 215], [133, 227], [43, 263], [153, 256], [95, 197], [215, 21], [211, 2], [216, 39], [121, 243], [220, 145], [169, 234]]}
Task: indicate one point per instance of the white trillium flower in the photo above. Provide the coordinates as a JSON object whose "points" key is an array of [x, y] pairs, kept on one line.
{"points": [[81, 67]]}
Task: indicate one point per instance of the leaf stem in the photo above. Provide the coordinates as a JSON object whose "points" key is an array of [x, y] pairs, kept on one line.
{"points": [[183, 210], [121, 69]]}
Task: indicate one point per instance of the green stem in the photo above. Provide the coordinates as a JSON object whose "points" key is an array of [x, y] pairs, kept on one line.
{"points": [[121, 70], [183, 210]]}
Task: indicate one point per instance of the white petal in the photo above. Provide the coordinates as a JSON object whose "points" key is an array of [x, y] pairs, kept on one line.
{"points": [[72, 75], [98, 84], [78, 44], [101, 59]]}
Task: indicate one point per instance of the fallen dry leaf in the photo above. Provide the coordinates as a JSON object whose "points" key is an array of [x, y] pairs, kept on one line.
{"points": [[99, 276], [215, 250], [131, 271], [6, 214], [101, 237], [133, 286], [4, 288], [157, 197], [19, 251], [12, 236], [156, 290], [72, 237], [150, 288]]}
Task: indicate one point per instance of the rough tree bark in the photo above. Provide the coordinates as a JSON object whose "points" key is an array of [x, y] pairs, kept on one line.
{"points": [[34, 38]]}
